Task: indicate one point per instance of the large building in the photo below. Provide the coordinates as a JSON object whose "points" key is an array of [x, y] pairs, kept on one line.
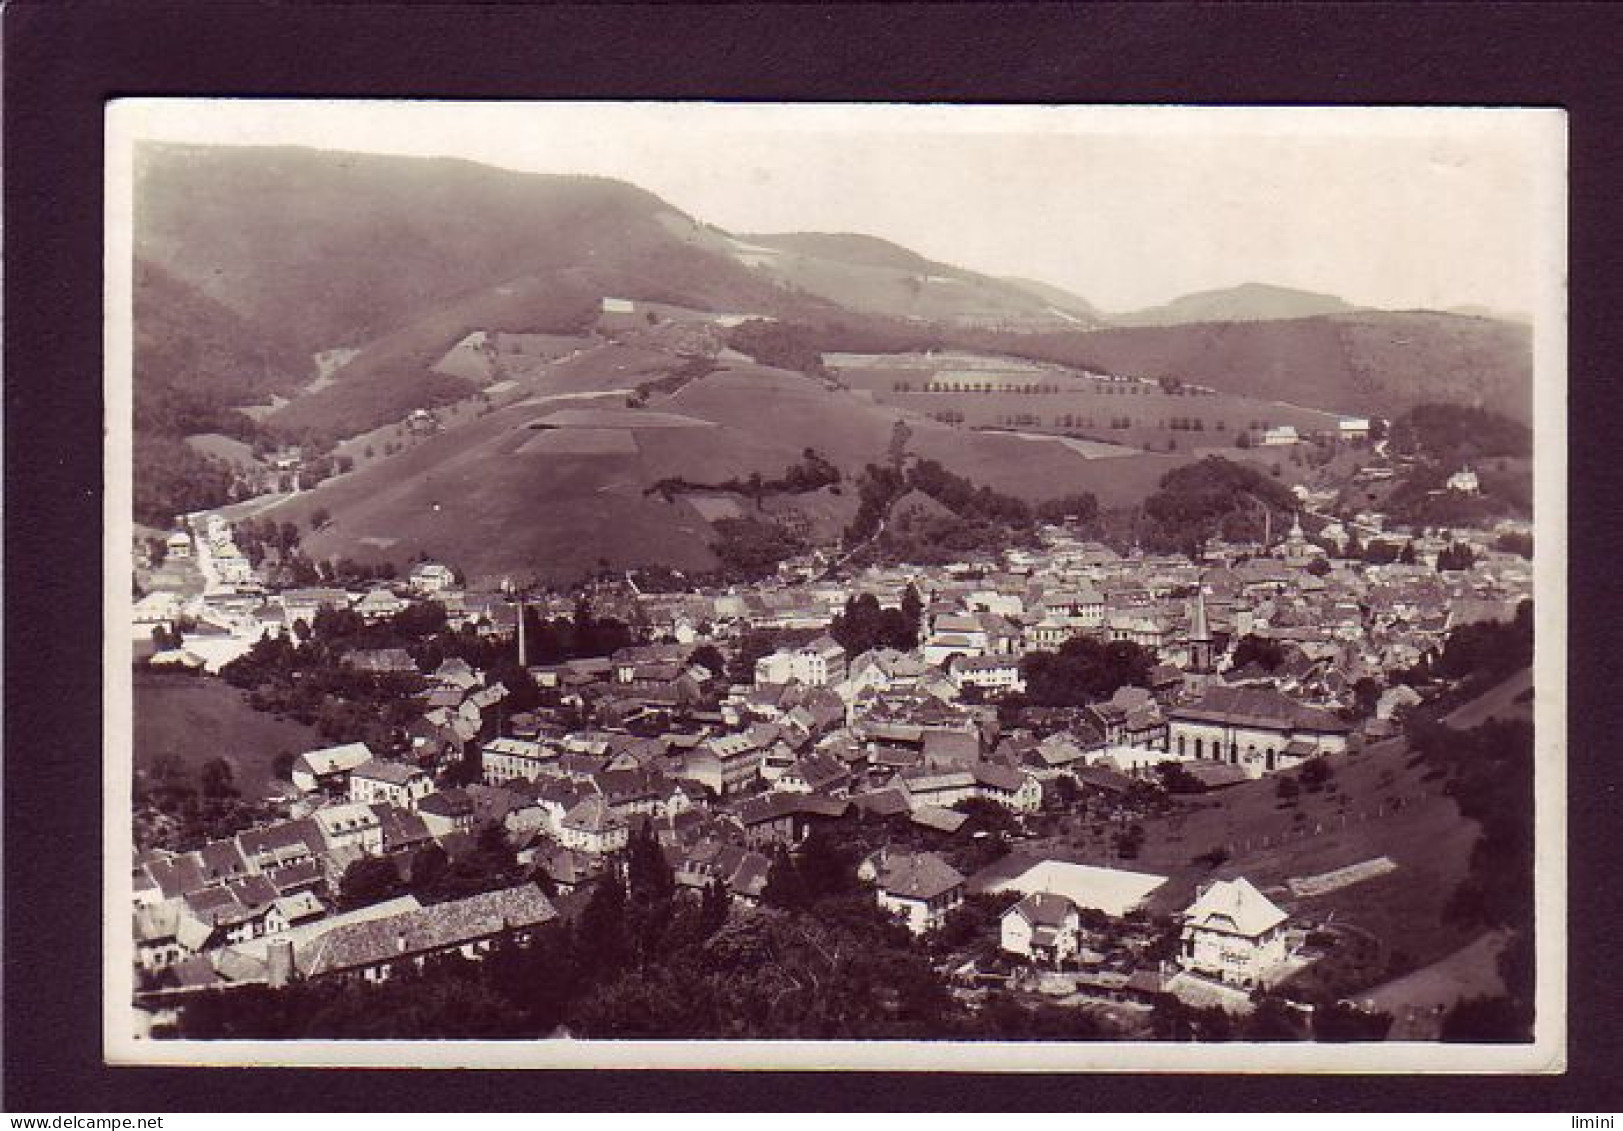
{"points": [[1234, 933], [1256, 728]]}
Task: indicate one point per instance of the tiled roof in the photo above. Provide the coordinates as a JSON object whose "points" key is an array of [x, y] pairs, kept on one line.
{"points": [[425, 930], [1043, 909], [917, 875], [1257, 707], [1234, 907]]}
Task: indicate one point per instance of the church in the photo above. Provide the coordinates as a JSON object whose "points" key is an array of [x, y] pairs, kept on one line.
{"points": [[1257, 728]]}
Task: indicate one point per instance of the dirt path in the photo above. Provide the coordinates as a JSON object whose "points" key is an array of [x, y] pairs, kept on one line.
{"points": [[1418, 1001]]}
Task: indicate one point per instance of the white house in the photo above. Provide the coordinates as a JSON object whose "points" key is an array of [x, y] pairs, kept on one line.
{"points": [[1281, 437], [432, 577], [996, 675], [392, 783], [505, 759], [594, 828], [1044, 925], [328, 768], [351, 825], [1234, 933], [919, 886], [1464, 482]]}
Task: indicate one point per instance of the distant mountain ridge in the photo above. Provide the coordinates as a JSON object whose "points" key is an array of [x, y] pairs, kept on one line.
{"points": [[400, 258], [1248, 302]]}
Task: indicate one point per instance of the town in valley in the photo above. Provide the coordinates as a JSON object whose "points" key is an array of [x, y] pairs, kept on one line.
{"points": [[595, 624]]}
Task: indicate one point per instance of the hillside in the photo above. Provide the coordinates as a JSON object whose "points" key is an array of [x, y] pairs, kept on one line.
{"points": [[401, 258], [412, 283], [552, 488], [1061, 299], [1248, 302], [1371, 363], [876, 277]]}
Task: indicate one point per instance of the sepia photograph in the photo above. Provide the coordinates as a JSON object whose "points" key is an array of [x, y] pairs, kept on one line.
{"points": [[893, 586]]}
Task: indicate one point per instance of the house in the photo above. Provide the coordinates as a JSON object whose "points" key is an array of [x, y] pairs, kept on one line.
{"points": [[304, 604], [997, 675], [1257, 728], [820, 663], [919, 886], [429, 578], [157, 942], [942, 788], [1464, 482], [1013, 789], [446, 812], [786, 818], [742, 872], [376, 948], [292, 911], [511, 759], [328, 769], [815, 773], [381, 661], [594, 828], [389, 783], [350, 825], [403, 830], [378, 605], [1044, 925], [730, 763], [282, 845], [1234, 933]]}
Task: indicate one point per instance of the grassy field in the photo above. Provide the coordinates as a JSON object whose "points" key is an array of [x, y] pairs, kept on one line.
{"points": [[197, 718], [486, 496], [1416, 1001]]}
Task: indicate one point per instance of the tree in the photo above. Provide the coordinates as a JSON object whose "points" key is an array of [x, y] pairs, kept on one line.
{"points": [[896, 453], [648, 873], [282, 766], [784, 884], [912, 604], [428, 865], [1491, 1020], [1084, 670], [601, 943], [1265, 653], [1316, 774], [215, 778], [369, 880], [709, 657], [319, 518]]}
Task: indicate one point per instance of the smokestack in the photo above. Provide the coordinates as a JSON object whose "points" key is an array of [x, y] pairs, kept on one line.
{"points": [[279, 963]]}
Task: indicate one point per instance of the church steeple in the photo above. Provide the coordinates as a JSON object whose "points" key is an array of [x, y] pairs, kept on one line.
{"points": [[1200, 635]]}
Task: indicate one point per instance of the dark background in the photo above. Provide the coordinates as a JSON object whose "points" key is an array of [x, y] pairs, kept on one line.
{"points": [[62, 60]]}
